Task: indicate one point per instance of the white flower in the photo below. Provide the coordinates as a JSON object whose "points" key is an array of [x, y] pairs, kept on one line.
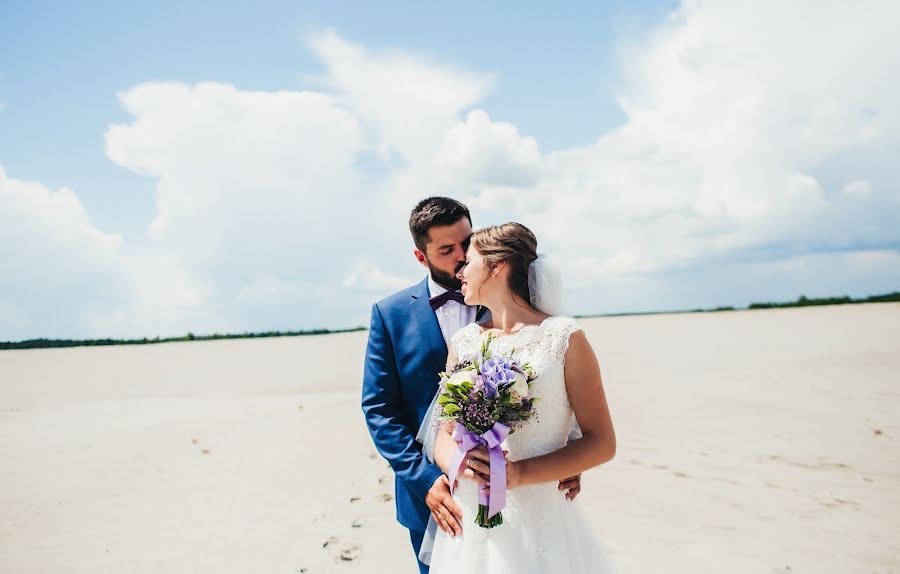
{"points": [[464, 376], [519, 389]]}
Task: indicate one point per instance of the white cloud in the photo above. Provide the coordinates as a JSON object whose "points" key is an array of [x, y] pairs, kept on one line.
{"points": [[56, 266], [368, 277], [490, 153], [269, 289], [858, 188], [408, 102], [738, 161], [735, 114], [232, 163]]}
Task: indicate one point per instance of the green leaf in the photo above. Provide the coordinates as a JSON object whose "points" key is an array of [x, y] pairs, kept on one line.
{"points": [[451, 408]]}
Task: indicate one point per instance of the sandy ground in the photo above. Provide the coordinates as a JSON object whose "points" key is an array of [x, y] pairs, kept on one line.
{"points": [[750, 441]]}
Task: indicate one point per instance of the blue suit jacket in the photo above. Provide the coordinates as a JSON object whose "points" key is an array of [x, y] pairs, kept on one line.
{"points": [[405, 354]]}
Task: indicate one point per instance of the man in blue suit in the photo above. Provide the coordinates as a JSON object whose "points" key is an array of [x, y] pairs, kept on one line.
{"points": [[408, 342]]}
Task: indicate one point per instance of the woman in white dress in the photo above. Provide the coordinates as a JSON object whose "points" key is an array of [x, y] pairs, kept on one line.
{"points": [[542, 530]]}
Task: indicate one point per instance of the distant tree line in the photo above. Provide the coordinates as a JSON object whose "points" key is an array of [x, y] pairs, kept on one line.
{"points": [[804, 301], [48, 343]]}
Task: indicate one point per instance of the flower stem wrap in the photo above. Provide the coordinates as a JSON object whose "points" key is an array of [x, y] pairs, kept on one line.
{"points": [[467, 440]]}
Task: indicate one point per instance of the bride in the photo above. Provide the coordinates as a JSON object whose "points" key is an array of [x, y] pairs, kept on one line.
{"points": [[542, 530]]}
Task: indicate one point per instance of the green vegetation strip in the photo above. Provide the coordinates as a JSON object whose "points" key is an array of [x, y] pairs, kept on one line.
{"points": [[47, 343], [802, 301]]}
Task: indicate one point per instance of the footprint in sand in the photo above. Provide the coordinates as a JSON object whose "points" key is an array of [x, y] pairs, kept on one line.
{"points": [[195, 440], [349, 552], [385, 498], [821, 464], [831, 503], [726, 479]]}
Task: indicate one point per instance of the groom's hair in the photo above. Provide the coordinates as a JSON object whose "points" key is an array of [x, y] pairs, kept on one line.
{"points": [[431, 212]]}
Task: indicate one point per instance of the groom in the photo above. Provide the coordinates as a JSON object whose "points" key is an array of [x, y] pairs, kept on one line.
{"points": [[408, 341]]}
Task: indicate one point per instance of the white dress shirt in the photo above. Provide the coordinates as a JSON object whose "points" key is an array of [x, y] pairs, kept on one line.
{"points": [[452, 315]]}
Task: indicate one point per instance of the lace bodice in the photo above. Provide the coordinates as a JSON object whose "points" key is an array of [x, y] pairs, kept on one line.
{"points": [[544, 347]]}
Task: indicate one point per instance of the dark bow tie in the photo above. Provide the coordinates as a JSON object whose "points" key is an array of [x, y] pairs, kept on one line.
{"points": [[439, 300]]}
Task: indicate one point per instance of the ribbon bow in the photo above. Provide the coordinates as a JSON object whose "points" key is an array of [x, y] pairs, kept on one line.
{"points": [[467, 440]]}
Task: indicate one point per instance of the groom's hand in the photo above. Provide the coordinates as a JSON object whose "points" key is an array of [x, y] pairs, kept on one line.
{"points": [[443, 508], [572, 485]]}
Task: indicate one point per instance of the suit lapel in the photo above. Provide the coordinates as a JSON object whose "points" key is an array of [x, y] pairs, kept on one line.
{"points": [[424, 315]]}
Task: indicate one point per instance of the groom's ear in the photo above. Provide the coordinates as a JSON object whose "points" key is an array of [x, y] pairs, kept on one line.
{"points": [[420, 257]]}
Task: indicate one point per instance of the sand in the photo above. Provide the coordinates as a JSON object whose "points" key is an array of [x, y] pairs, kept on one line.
{"points": [[748, 441]]}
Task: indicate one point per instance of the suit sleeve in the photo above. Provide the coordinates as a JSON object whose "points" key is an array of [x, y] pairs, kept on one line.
{"points": [[381, 403]]}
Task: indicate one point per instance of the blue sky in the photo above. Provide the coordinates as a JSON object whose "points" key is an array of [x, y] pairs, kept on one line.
{"points": [[670, 156]]}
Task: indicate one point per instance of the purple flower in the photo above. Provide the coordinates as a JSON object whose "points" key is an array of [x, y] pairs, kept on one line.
{"points": [[498, 374]]}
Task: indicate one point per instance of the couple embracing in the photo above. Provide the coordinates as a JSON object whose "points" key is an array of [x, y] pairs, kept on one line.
{"points": [[487, 285]]}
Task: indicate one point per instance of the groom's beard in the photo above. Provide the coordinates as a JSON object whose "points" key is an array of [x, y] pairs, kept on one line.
{"points": [[444, 279]]}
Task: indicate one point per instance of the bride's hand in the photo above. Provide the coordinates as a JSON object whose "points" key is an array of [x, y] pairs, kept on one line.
{"points": [[477, 463], [481, 466], [513, 472]]}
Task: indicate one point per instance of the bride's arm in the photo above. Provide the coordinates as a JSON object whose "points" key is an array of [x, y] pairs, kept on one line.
{"points": [[444, 448], [444, 445], [598, 442]]}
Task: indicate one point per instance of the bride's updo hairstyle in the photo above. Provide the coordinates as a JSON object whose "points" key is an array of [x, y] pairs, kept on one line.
{"points": [[511, 242]]}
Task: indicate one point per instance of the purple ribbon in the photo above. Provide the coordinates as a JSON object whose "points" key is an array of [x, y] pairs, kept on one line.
{"points": [[496, 500]]}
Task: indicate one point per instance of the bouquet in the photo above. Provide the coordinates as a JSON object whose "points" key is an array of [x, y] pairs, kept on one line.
{"points": [[487, 396]]}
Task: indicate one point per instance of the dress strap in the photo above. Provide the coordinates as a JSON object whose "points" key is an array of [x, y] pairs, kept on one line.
{"points": [[559, 329]]}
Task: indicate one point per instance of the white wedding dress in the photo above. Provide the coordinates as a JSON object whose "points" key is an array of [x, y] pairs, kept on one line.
{"points": [[542, 531]]}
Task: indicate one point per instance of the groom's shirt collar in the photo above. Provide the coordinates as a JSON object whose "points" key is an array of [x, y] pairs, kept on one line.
{"points": [[435, 288], [452, 315]]}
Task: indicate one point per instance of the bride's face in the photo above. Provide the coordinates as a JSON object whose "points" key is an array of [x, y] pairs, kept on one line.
{"points": [[473, 276]]}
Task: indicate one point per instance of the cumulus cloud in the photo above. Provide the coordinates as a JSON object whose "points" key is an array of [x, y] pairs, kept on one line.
{"points": [[490, 153], [736, 120], [261, 195], [407, 101], [755, 157], [56, 266]]}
